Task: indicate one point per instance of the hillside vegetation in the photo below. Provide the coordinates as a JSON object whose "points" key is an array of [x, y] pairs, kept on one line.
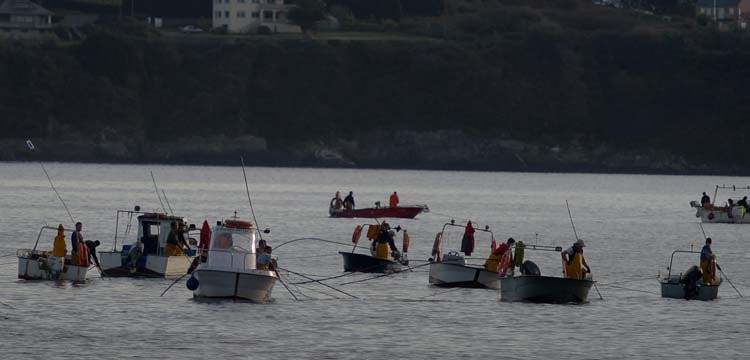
{"points": [[519, 85]]}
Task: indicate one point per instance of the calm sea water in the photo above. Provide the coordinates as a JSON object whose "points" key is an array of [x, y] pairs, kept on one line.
{"points": [[631, 224]]}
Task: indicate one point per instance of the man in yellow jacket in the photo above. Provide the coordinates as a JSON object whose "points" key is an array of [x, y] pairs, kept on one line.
{"points": [[574, 261], [59, 248]]}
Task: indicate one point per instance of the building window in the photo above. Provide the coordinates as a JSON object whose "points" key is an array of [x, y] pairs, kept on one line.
{"points": [[268, 15], [241, 1], [256, 1], [217, 14], [255, 14], [240, 14], [227, 14]]}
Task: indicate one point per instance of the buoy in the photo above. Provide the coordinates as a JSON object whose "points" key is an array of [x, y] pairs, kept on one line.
{"points": [[406, 243], [192, 283]]}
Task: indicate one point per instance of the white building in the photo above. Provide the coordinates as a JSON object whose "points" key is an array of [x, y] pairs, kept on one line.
{"points": [[242, 16]]}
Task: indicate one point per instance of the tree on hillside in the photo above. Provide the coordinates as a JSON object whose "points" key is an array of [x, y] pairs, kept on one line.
{"points": [[306, 12]]}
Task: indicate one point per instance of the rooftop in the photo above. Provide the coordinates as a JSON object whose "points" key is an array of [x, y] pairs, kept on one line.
{"points": [[22, 7]]}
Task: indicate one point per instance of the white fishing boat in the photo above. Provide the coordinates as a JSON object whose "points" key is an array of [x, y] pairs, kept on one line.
{"points": [[231, 270], [34, 264], [452, 270], [147, 256], [729, 213], [689, 285]]}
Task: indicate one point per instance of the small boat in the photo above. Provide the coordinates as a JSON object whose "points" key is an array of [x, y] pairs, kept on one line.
{"points": [[404, 212], [690, 285], [34, 264], [544, 289], [531, 286], [146, 257], [379, 260], [452, 270], [231, 270], [728, 214]]}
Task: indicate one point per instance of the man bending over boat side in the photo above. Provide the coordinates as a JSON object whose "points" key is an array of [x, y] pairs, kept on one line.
{"points": [[175, 241], [574, 261], [501, 259]]}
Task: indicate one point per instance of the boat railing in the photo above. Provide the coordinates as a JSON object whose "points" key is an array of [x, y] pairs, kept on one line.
{"points": [[726, 187], [671, 259], [46, 227], [453, 223]]}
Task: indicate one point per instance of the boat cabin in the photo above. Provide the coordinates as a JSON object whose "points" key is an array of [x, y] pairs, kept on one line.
{"points": [[232, 245], [152, 229]]}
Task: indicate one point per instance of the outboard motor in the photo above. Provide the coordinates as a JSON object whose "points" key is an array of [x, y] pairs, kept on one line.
{"points": [[690, 280], [529, 268]]}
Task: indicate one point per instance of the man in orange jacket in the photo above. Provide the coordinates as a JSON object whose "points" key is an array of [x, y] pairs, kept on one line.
{"points": [[394, 200]]}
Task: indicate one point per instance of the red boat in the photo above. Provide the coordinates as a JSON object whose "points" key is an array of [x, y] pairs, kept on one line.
{"points": [[404, 212]]}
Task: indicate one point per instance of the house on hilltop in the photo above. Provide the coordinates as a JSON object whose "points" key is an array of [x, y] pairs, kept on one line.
{"points": [[23, 18], [727, 14], [244, 16]]}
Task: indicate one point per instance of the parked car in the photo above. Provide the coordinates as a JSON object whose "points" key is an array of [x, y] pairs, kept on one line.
{"points": [[190, 29]]}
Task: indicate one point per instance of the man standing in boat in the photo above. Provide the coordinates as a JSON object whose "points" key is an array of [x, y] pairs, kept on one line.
{"points": [[705, 201], [501, 256], [707, 257], [76, 241], [574, 261], [173, 242], [336, 202], [467, 242], [349, 201], [393, 201]]}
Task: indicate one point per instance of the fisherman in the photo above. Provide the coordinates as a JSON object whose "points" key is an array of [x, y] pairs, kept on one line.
{"points": [[261, 249], [705, 201], [730, 205], [349, 201], [91, 246], [264, 261], [467, 243], [707, 257], [75, 239], [336, 202], [59, 248], [384, 241], [743, 202], [181, 231], [393, 201], [574, 261], [173, 243], [134, 254], [499, 257]]}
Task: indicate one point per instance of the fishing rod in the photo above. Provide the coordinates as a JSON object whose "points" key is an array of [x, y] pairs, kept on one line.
{"points": [[167, 200], [576, 235], [321, 283], [172, 284], [157, 192], [286, 287], [33, 150], [719, 267], [308, 238], [249, 200]]}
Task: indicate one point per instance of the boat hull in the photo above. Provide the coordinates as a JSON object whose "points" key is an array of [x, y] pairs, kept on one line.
{"points": [[544, 289], [33, 269], [405, 212], [366, 263], [250, 285], [676, 290], [721, 215], [147, 265], [457, 275]]}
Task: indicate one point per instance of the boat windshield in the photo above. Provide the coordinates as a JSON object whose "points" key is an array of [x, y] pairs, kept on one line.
{"points": [[233, 240], [232, 248]]}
